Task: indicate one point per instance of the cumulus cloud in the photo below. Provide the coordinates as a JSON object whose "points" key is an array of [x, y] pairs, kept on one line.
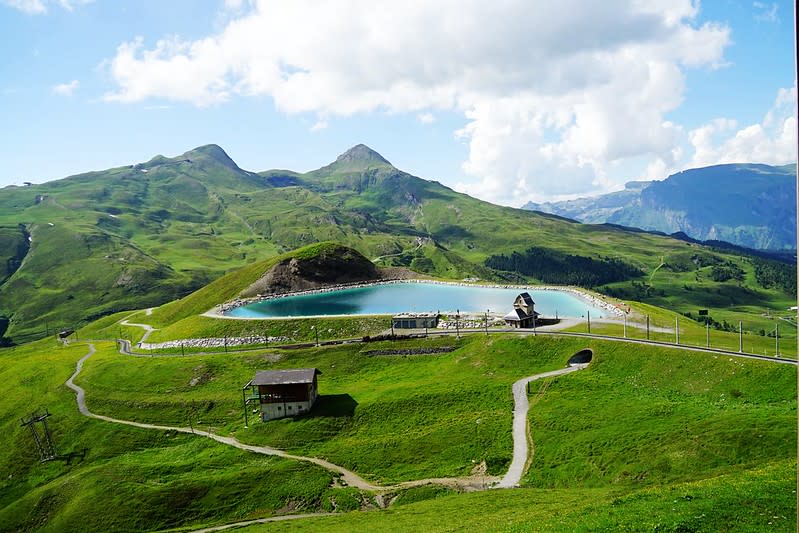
{"points": [[554, 92], [66, 89], [772, 141], [40, 7]]}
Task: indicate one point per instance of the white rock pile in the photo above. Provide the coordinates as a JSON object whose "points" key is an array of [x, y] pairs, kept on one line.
{"points": [[213, 342]]}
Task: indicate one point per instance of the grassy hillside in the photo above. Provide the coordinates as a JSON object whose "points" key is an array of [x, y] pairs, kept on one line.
{"points": [[696, 440], [232, 285], [142, 235], [709, 505], [130, 479]]}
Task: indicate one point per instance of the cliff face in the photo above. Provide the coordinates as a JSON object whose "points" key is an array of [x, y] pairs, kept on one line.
{"points": [[746, 204], [331, 265]]}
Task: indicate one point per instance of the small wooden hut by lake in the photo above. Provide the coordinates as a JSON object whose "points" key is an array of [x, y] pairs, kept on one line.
{"points": [[282, 393]]}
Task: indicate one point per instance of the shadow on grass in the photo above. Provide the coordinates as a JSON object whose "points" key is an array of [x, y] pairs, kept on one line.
{"points": [[332, 405]]}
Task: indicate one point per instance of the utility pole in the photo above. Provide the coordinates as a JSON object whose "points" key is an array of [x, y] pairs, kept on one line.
{"points": [[676, 330], [625, 325], [776, 340], [457, 323], [534, 333], [740, 336], [486, 322], [647, 327], [707, 333], [182, 349], [392, 326], [244, 400], [589, 321]]}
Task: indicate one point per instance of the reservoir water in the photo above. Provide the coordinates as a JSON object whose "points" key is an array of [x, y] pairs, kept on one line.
{"points": [[417, 297]]}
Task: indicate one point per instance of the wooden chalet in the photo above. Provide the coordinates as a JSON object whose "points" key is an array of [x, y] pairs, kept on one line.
{"points": [[523, 314], [282, 393]]}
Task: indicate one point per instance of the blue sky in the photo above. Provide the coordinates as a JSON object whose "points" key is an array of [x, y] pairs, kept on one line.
{"points": [[517, 101]]}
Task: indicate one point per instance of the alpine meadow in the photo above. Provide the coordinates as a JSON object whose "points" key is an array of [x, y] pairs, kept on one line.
{"points": [[527, 266]]}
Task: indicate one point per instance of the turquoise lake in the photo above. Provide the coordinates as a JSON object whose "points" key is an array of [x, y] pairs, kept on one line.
{"points": [[417, 297]]}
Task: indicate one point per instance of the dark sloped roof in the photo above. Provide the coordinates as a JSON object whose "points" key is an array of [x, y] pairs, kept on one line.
{"points": [[525, 296], [285, 377]]}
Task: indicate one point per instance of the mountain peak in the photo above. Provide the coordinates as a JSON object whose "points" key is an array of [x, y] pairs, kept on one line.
{"points": [[212, 151], [361, 155]]}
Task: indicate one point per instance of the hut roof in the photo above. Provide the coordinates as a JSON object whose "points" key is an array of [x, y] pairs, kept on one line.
{"points": [[526, 298], [285, 377], [519, 315]]}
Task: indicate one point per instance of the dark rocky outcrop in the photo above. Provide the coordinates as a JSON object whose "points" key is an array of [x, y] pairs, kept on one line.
{"points": [[329, 265]]}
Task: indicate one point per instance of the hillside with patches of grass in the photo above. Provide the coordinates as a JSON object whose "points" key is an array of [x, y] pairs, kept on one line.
{"points": [[145, 234], [690, 440]]}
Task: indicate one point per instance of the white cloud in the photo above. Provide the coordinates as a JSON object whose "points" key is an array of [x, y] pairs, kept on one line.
{"points": [[319, 125], [426, 118], [766, 12], [66, 89], [554, 91], [31, 7], [772, 141], [40, 7]]}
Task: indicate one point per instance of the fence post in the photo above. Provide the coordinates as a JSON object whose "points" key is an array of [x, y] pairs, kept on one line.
{"points": [[740, 336]]}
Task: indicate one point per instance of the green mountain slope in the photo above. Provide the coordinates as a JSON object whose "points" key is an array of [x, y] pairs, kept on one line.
{"points": [[144, 234], [745, 204]]}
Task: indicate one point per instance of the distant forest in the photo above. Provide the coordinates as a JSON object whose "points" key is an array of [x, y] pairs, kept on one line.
{"points": [[775, 275], [550, 266]]}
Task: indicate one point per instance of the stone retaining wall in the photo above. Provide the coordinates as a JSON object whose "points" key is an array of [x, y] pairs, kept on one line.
{"points": [[212, 342]]}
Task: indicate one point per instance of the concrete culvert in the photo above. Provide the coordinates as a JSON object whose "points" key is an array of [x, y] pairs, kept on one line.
{"points": [[582, 357]]}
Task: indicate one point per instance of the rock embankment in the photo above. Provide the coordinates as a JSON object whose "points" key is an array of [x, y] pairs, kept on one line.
{"points": [[467, 322], [332, 265], [410, 351], [212, 342]]}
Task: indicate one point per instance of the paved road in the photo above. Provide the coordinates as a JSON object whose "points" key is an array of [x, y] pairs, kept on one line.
{"points": [[553, 329], [521, 446]]}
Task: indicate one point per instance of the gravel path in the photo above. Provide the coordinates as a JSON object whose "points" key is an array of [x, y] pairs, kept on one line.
{"points": [[246, 523], [521, 446], [350, 478]]}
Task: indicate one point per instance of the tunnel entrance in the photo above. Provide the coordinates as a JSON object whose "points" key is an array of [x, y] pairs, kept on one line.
{"points": [[582, 357]]}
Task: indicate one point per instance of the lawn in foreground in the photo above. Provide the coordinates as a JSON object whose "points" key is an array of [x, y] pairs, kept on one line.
{"points": [[761, 499], [130, 479], [397, 418]]}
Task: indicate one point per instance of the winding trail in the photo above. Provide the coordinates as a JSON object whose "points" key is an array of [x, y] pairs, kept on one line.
{"points": [[280, 518], [472, 483], [148, 329], [521, 445]]}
